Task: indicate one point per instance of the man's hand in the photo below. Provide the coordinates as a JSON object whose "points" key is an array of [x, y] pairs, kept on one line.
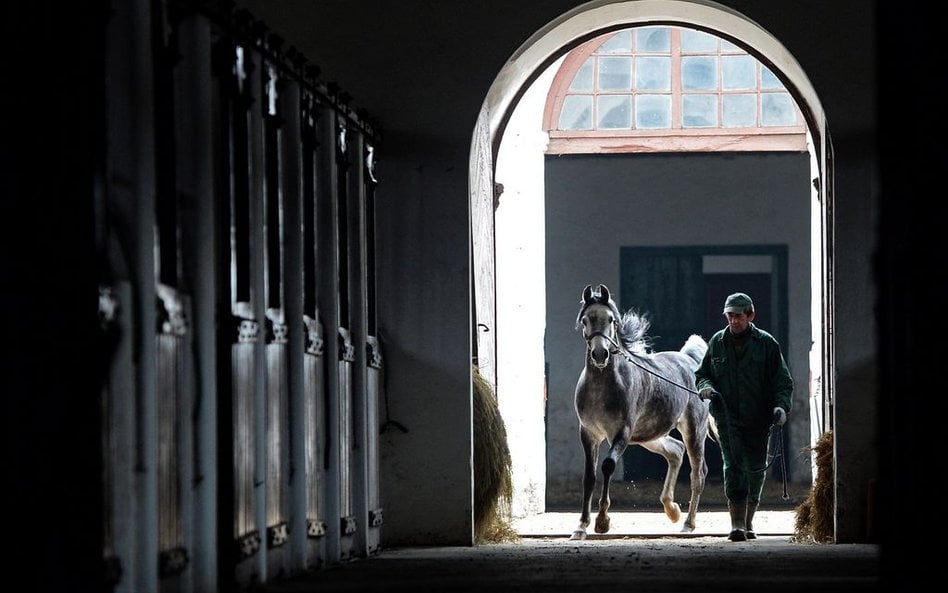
{"points": [[780, 416], [708, 393]]}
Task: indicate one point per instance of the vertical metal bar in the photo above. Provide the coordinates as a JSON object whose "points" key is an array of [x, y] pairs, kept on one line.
{"points": [[374, 358], [347, 350], [327, 281], [315, 377], [276, 396]]}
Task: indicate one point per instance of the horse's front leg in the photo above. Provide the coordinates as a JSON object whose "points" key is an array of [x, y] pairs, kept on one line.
{"points": [[619, 444], [590, 454]]}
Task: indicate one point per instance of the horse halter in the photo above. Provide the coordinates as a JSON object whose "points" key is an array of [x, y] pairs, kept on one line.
{"points": [[616, 348]]}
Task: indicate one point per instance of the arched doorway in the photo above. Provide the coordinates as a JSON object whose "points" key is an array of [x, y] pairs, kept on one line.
{"points": [[521, 407]]}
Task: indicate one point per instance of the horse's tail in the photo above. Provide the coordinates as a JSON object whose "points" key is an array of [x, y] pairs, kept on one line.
{"points": [[695, 347]]}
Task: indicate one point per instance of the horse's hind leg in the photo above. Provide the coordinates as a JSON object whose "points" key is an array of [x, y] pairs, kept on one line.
{"points": [[673, 451], [608, 468], [699, 471], [695, 434], [590, 454]]}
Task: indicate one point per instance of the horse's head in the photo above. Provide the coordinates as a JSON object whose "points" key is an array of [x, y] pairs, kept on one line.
{"points": [[598, 318]]}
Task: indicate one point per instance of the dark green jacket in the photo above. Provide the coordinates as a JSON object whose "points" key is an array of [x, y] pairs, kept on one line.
{"points": [[752, 386]]}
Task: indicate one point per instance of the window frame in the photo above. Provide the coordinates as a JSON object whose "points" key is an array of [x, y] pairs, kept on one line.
{"points": [[674, 139]]}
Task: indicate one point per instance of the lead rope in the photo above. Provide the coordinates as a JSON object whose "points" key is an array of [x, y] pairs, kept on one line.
{"points": [[783, 464], [620, 350]]}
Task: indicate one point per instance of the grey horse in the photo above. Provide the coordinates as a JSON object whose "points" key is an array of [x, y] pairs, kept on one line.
{"points": [[628, 395]]}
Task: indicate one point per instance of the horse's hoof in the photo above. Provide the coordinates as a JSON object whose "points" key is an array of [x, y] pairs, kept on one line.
{"points": [[579, 534], [673, 511], [602, 525], [687, 528]]}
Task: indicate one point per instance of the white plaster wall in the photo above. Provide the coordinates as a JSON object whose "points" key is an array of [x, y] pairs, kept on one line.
{"points": [[521, 301]]}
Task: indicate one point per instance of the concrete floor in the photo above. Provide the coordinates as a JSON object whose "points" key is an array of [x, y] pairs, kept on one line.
{"points": [[643, 553]]}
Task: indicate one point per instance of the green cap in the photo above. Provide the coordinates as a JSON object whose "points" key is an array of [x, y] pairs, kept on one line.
{"points": [[738, 303]]}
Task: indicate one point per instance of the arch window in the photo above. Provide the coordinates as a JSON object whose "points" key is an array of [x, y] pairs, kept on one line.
{"points": [[668, 89]]}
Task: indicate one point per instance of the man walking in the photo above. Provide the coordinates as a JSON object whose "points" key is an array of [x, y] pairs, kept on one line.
{"points": [[748, 382]]}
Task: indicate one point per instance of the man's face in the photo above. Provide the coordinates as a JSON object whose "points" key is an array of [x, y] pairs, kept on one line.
{"points": [[738, 321]]}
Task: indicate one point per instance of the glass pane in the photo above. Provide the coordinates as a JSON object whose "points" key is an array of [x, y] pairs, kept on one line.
{"points": [[652, 111], [583, 81], [615, 74], [777, 109], [728, 46], [697, 42], [699, 111], [699, 73], [621, 42], [576, 113], [768, 80], [614, 112], [739, 72], [740, 111], [653, 74], [653, 39]]}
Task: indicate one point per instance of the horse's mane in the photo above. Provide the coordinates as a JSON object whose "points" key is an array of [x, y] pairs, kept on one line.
{"points": [[633, 331]]}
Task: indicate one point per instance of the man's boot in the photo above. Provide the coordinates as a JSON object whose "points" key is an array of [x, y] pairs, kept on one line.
{"points": [[738, 512], [749, 523]]}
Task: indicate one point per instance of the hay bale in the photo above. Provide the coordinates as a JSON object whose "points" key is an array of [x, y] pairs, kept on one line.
{"points": [[493, 481], [814, 516]]}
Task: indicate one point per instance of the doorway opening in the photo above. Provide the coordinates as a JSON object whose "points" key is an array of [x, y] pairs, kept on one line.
{"points": [[511, 145]]}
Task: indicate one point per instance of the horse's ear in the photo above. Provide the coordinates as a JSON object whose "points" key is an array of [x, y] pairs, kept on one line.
{"points": [[604, 293], [587, 294]]}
